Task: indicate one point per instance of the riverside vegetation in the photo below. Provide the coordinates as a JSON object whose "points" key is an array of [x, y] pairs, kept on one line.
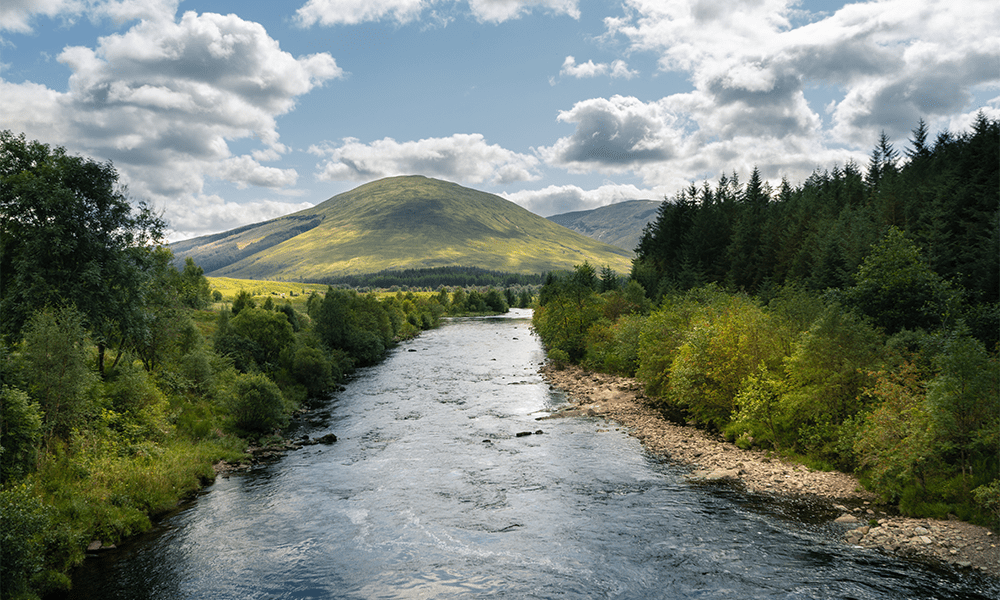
{"points": [[124, 378], [850, 323]]}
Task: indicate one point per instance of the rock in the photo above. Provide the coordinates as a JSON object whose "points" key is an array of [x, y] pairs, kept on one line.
{"points": [[719, 474], [846, 518], [539, 432], [522, 433], [326, 439], [94, 546]]}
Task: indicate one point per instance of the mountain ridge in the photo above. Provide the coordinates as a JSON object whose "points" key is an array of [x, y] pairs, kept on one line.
{"points": [[398, 223], [619, 224]]}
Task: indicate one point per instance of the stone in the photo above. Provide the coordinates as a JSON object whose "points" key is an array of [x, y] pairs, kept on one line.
{"points": [[326, 439], [846, 518], [522, 433], [718, 474]]}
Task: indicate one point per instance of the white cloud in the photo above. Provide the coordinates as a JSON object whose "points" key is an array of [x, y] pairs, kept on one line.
{"points": [[209, 214], [164, 99], [498, 11], [614, 135], [558, 199], [463, 158], [352, 12], [894, 60], [617, 69], [17, 15]]}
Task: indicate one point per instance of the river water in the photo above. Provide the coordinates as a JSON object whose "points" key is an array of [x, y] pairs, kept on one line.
{"points": [[429, 493]]}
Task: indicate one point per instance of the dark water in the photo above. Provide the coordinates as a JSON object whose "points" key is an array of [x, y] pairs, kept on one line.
{"points": [[414, 502]]}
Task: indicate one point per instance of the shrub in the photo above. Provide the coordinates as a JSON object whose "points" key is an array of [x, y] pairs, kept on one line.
{"points": [[725, 345], [256, 405], [826, 374], [23, 523], [20, 433]]}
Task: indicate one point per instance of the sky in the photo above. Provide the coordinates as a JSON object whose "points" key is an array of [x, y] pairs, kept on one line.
{"points": [[223, 113]]}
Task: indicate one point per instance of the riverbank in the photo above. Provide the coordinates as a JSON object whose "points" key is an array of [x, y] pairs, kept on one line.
{"points": [[867, 524]]}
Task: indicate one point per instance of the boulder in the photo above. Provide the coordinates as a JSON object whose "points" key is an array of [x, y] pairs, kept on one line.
{"points": [[326, 439]]}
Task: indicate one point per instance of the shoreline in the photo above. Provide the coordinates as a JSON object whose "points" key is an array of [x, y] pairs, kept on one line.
{"points": [[867, 524]]}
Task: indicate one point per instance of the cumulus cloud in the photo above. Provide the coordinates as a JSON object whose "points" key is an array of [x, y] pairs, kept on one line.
{"points": [[617, 69], [558, 199], [614, 135], [164, 99], [351, 12], [464, 158], [894, 60]]}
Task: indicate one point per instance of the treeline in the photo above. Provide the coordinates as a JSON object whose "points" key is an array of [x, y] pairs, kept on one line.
{"points": [[945, 196], [120, 386], [842, 345], [434, 278]]}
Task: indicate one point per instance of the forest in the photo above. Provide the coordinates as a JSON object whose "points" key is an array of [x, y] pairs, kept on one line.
{"points": [[850, 322], [126, 378]]}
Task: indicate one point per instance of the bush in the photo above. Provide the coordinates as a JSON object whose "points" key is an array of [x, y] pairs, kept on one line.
{"points": [[312, 369], [23, 523], [725, 345], [20, 434], [257, 405]]}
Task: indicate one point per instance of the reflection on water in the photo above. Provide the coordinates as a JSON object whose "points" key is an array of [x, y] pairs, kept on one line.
{"points": [[429, 494]]}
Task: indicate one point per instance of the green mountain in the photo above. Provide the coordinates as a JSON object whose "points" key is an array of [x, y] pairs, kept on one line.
{"points": [[407, 222], [618, 224]]}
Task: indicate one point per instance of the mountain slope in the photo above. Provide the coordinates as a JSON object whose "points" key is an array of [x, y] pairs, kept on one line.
{"points": [[398, 223], [618, 224]]}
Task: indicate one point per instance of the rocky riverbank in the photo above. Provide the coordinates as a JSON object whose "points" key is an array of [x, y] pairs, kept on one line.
{"points": [[867, 524]]}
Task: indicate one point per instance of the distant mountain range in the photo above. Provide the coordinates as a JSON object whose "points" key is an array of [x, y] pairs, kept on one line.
{"points": [[618, 224], [409, 222]]}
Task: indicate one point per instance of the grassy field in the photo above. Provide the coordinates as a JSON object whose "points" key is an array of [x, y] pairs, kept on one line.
{"points": [[229, 287]]}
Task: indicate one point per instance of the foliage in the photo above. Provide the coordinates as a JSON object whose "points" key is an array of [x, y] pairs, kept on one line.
{"points": [[726, 343], [568, 306], [20, 434], [69, 236], [23, 523], [257, 405], [898, 290], [55, 368]]}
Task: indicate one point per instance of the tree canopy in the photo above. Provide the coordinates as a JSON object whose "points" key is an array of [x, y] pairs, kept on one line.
{"points": [[70, 236]]}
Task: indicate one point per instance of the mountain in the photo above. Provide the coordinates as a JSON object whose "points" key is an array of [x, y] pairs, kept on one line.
{"points": [[408, 222], [618, 224]]}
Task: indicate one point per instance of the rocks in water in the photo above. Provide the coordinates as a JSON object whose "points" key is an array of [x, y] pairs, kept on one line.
{"points": [[326, 439], [99, 546], [527, 433]]}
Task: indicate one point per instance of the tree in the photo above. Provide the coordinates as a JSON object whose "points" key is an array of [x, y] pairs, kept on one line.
{"points": [[70, 236], [898, 290], [194, 289], [55, 363]]}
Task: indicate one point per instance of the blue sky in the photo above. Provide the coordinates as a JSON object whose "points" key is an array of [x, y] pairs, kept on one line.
{"points": [[225, 113]]}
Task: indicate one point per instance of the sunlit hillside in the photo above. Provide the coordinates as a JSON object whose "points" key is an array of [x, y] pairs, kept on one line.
{"points": [[399, 223]]}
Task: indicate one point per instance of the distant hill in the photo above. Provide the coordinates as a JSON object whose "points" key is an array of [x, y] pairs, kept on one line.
{"points": [[409, 222], [618, 224]]}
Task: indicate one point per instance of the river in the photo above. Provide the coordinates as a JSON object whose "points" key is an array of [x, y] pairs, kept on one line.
{"points": [[429, 493]]}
